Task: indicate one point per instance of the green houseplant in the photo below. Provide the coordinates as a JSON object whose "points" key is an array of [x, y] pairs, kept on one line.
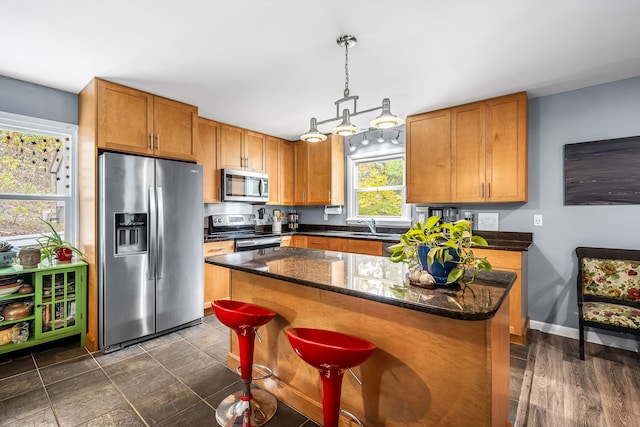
{"points": [[53, 245], [444, 245]]}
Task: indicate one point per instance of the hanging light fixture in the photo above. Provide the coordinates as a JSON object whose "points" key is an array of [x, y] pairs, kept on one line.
{"points": [[394, 140], [365, 140], [384, 121]]}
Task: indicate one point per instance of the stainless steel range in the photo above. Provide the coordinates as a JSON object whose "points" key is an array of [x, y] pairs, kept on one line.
{"points": [[242, 229]]}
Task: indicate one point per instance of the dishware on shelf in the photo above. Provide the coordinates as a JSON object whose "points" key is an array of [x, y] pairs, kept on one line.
{"points": [[18, 310], [9, 288]]}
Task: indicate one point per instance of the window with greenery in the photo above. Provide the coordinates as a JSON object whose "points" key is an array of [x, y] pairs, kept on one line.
{"points": [[35, 182], [377, 188]]}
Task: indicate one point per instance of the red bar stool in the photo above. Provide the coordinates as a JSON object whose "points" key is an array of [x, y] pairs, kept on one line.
{"points": [[331, 353], [255, 406]]}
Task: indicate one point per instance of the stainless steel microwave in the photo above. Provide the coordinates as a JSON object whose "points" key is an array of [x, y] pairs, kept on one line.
{"points": [[245, 186]]}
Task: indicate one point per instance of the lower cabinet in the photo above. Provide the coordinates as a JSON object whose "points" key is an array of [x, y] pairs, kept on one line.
{"points": [[47, 303], [339, 244], [515, 262], [216, 279]]}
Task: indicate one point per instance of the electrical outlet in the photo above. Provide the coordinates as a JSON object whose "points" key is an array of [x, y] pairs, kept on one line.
{"points": [[537, 220], [420, 217]]}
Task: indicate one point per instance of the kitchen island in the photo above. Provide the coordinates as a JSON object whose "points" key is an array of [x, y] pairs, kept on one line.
{"points": [[442, 356]]}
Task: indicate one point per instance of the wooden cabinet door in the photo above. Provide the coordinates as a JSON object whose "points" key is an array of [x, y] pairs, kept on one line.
{"points": [[231, 152], [287, 174], [300, 173], [468, 153], [318, 173], [429, 157], [506, 152], [272, 168], [513, 262], [298, 241], [174, 125], [207, 157], [254, 151], [125, 119], [216, 279]]}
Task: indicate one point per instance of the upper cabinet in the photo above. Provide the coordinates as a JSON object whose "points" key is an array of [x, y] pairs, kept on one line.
{"points": [[208, 134], [473, 153], [132, 121], [429, 157], [279, 165], [241, 149], [319, 172]]}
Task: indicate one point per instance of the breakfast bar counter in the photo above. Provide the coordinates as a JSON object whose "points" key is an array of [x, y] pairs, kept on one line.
{"points": [[442, 356]]}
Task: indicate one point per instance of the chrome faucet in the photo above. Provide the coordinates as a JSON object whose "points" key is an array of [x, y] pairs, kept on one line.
{"points": [[371, 223]]}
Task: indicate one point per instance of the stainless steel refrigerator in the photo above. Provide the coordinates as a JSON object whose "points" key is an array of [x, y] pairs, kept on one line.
{"points": [[150, 271]]}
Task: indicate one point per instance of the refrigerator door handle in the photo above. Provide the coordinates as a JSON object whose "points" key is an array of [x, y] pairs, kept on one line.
{"points": [[160, 211], [151, 258]]}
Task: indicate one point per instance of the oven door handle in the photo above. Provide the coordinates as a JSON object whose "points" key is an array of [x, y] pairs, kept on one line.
{"points": [[244, 243]]}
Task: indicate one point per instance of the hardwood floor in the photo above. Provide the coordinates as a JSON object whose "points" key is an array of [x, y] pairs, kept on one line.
{"points": [[559, 389]]}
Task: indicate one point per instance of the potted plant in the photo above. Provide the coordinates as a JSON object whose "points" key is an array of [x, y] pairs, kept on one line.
{"points": [[52, 245], [443, 250]]}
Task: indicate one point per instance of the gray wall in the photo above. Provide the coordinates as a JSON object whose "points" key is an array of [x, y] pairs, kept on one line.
{"points": [[29, 99], [605, 111]]}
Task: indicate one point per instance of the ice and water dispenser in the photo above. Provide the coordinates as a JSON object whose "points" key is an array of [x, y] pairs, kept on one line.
{"points": [[131, 233]]}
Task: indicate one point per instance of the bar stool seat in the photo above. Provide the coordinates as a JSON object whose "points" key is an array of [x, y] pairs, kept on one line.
{"points": [[255, 406], [331, 353]]}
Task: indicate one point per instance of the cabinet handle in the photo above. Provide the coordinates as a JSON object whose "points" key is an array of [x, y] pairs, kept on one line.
{"points": [[158, 142], [488, 190], [215, 250], [482, 190], [329, 197], [303, 197], [151, 141]]}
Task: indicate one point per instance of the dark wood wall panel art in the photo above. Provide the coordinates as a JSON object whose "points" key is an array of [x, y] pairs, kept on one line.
{"points": [[605, 172]]}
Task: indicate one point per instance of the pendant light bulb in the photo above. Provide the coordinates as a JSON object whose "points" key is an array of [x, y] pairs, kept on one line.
{"points": [[386, 120], [365, 140], [313, 135], [346, 128]]}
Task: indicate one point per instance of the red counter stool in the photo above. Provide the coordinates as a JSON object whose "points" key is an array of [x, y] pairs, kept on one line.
{"points": [[255, 406], [331, 353]]}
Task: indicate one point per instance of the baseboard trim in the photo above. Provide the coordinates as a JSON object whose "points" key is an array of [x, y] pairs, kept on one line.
{"points": [[591, 336]]}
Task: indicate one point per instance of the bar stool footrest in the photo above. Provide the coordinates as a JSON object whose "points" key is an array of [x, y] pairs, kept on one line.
{"points": [[262, 377], [353, 417]]}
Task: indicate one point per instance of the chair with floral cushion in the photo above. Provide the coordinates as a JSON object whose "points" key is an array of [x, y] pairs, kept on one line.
{"points": [[608, 290]]}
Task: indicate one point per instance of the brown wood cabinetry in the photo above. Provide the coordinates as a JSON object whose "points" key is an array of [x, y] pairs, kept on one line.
{"points": [[515, 262], [319, 172], [429, 157], [208, 132], [216, 278], [241, 149], [473, 153], [287, 174], [339, 244], [132, 121]]}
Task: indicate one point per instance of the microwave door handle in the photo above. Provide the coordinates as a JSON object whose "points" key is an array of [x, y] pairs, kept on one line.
{"points": [[261, 187]]}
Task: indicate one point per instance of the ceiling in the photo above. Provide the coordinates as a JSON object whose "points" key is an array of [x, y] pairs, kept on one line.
{"points": [[272, 65]]}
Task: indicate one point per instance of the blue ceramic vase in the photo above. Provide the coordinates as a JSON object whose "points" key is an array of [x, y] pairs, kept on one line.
{"points": [[438, 271]]}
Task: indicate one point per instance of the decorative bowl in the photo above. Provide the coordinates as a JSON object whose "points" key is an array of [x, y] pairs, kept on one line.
{"points": [[6, 258]]}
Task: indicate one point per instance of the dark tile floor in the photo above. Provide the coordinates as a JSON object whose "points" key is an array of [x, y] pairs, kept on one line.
{"points": [[174, 380]]}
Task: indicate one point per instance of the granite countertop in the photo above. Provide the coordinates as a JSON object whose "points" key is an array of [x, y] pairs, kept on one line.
{"points": [[372, 277]]}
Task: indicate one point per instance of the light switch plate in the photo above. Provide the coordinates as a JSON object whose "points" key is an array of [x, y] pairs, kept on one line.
{"points": [[488, 221]]}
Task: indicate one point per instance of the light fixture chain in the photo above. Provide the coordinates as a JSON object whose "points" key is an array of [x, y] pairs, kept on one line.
{"points": [[346, 69]]}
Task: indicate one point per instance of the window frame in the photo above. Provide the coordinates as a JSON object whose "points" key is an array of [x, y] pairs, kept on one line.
{"points": [[27, 124], [352, 170]]}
